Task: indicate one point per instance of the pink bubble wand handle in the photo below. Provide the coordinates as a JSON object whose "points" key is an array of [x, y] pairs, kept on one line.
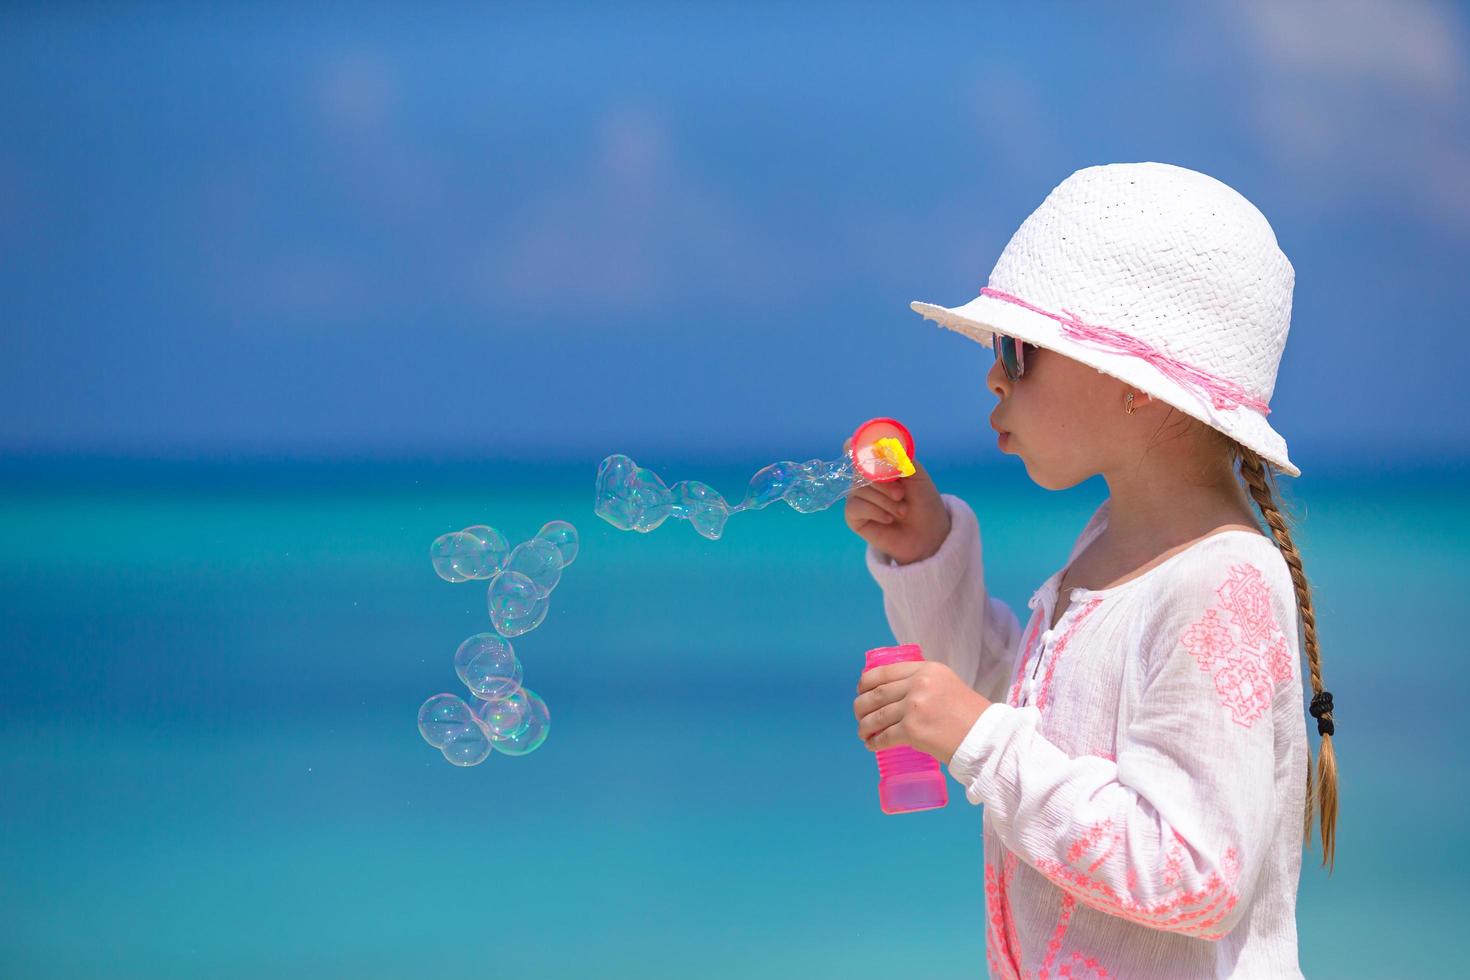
{"points": [[908, 780]]}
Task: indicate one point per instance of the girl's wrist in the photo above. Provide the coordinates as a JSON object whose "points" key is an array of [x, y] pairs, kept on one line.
{"points": [[964, 721]]}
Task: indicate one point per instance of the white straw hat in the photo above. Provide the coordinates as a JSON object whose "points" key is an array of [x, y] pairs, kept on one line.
{"points": [[1160, 276]]}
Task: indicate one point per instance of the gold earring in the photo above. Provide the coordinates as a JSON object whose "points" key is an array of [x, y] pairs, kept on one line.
{"points": [[1129, 403]]}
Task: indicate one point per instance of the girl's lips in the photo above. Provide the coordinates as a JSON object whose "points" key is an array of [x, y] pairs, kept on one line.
{"points": [[1002, 439]]}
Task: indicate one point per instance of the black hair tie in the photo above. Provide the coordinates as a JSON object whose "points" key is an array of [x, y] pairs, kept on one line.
{"points": [[1322, 705]]}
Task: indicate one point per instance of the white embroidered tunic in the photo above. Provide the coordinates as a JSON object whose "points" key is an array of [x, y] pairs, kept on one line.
{"points": [[1143, 768]]}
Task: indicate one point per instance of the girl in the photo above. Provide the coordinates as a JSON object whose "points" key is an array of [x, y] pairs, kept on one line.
{"points": [[1139, 746]]}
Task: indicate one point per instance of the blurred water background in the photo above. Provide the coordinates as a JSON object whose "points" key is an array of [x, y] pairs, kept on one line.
{"points": [[286, 291], [211, 768]]}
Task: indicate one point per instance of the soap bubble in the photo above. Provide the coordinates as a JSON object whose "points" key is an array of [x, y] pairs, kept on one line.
{"points": [[455, 555], [701, 506], [516, 605], [539, 560], [451, 726], [564, 537], [482, 552], [505, 717], [630, 498], [470, 749], [521, 580], [770, 483], [635, 499], [534, 728], [488, 666], [475, 552], [494, 550], [443, 718]]}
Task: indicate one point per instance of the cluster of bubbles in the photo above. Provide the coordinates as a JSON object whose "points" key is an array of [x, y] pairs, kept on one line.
{"points": [[503, 714], [521, 578], [506, 716], [635, 499]]}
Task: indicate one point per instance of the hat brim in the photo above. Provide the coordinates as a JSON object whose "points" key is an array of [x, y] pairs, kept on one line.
{"points": [[984, 316]]}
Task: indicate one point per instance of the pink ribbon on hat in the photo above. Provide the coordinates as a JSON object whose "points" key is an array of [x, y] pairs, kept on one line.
{"points": [[1223, 394]]}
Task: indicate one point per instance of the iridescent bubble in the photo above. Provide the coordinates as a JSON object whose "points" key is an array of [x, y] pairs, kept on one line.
{"points": [[504, 717], [768, 485], [635, 499], [469, 749], [488, 665], [630, 498], [564, 536], [444, 718], [493, 551], [516, 605], [456, 555], [534, 728], [539, 560], [701, 506]]}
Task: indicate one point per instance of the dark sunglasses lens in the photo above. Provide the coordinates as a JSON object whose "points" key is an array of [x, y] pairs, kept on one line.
{"points": [[1005, 351]]}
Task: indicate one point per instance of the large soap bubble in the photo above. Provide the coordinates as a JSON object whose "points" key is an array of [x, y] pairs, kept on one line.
{"points": [[516, 604], [540, 561], [533, 730], [477, 552], [564, 537], [451, 726], [456, 556], [488, 666], [443, 718], [470, 750], [505, 717]]}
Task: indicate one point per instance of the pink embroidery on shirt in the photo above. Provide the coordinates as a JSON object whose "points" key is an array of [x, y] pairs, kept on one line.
{"points": [[1244, 673], [1054, 945], [1093, 838], [1009, 863], [1083, 967], [1014, 698], [1056, 654], [1191, 913], [1249, 601], [1173, 872], [1001, 947], [1245, 688], [1208, 640], [1279, 655]]}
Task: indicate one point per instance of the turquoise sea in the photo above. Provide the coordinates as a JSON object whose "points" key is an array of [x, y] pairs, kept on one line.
{"points": [[209, 676]]}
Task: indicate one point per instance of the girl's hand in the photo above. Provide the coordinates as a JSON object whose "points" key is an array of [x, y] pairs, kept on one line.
{"points": [[923, 704], [904, 518]]}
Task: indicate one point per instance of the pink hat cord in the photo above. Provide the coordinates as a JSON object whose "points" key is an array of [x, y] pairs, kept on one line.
{"points": [[1225, 395]]}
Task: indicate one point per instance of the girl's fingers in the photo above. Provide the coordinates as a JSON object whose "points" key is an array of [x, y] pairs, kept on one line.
{"points": [[861, 511], [868, 702], [875, 721], [881, 500]]}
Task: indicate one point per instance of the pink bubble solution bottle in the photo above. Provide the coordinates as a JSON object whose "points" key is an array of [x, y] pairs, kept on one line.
{"points": [[908, 779]]}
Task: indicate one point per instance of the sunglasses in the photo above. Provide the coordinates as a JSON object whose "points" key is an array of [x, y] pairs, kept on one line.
{"points": [[1011, 353]]}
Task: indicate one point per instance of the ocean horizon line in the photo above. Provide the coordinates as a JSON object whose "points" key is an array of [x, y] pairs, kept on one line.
{"points": [[104, 469]]}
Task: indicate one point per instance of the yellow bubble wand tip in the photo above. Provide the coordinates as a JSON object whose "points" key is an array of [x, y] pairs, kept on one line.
{"points": [[891, 451]]}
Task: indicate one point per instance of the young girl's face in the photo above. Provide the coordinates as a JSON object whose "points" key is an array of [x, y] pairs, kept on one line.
{"points": [[1064, 418]]}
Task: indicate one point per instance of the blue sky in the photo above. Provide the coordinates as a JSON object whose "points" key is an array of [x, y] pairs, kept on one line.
{"points": [[562, 232]]}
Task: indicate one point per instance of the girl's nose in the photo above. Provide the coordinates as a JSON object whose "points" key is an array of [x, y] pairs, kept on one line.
{"points": [[996, 380]]}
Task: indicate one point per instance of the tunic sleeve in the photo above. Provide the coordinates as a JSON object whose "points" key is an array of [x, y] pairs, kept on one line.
{"points": [[1172, 834], [941, 604]]}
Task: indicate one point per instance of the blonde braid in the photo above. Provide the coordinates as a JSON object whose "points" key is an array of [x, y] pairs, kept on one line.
{"points": [[1258, 479]]}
